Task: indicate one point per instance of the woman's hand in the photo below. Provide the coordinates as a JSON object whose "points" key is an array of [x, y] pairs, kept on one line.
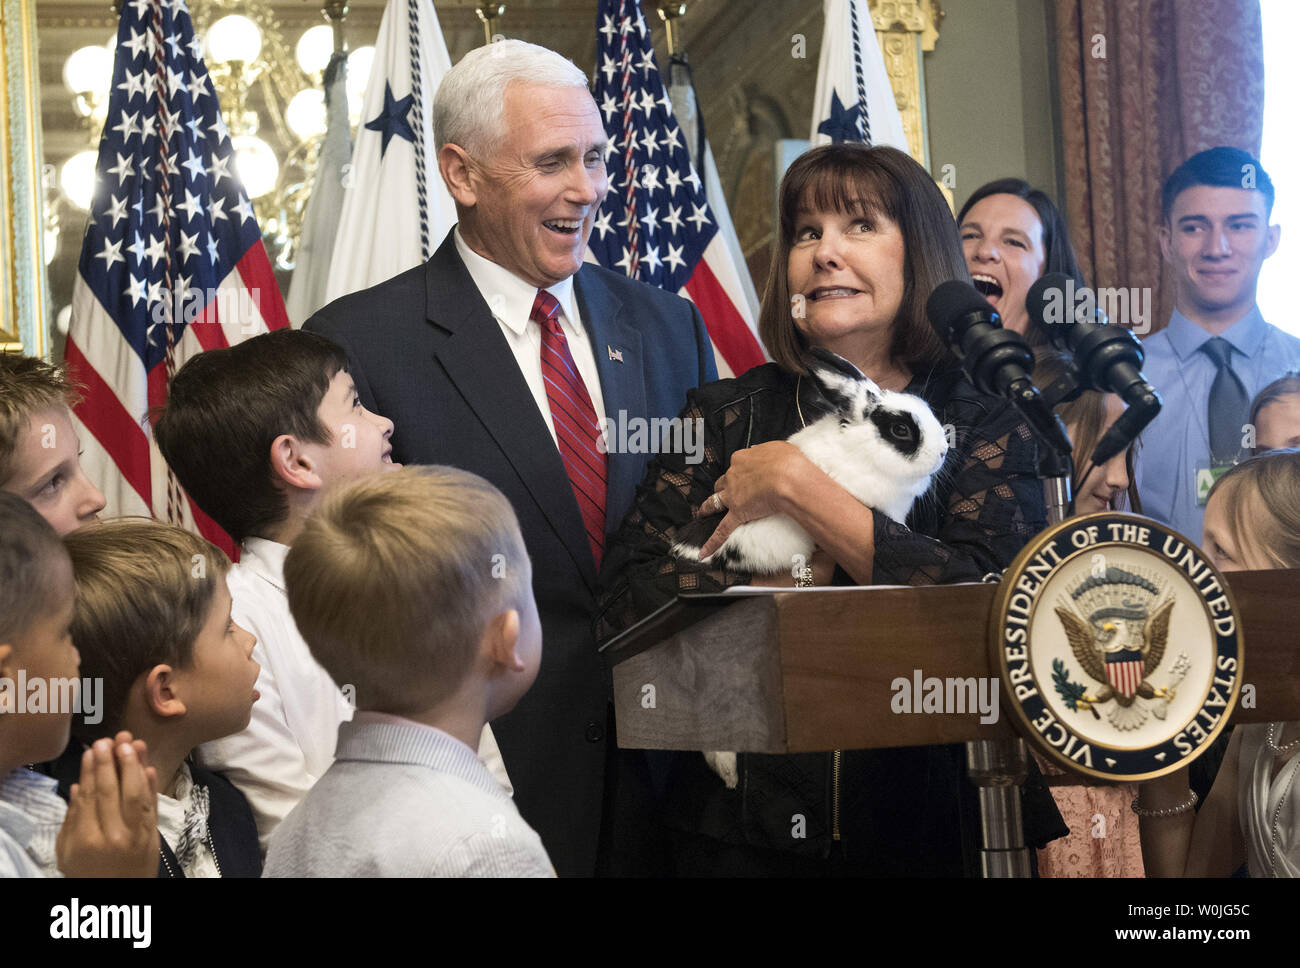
{"points": [[758, 483], [823, 572], [777, 478]]}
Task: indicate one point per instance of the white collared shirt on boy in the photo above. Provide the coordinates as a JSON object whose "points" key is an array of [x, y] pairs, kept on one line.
{"points": [[178, 809], [289, 742], [31, 814]]}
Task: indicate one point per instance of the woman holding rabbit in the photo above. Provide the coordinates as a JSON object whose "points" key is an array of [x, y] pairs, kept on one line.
{"points": [[865, 237]]}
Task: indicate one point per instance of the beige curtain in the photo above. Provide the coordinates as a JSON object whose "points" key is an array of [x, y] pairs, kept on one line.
{"points": [[1144, 84]]}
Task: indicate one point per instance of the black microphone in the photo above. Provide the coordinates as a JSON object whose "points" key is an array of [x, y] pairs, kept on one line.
{"points": [[1109, 358], [997, 360]]}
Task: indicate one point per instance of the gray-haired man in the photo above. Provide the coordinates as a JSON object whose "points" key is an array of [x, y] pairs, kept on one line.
{"points": [[503, 355]]}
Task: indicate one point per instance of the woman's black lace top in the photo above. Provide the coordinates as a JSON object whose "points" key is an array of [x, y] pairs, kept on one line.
{"points": [[983, 506]]}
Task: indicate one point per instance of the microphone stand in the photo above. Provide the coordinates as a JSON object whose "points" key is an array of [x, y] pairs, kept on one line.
{"points": [[998, 768]]}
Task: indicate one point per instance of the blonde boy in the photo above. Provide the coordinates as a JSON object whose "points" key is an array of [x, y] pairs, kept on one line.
{"points": [[416, 588], [39, 449]]}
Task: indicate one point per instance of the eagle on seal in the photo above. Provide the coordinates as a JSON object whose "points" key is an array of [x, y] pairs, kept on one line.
{"points": [[1119, 639]]}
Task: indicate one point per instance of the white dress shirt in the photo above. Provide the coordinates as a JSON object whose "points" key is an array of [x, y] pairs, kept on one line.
{"points": [[511, 301], [289, 741]]}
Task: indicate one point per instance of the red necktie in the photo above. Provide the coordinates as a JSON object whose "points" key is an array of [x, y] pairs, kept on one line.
{"points": [[576, 428]]}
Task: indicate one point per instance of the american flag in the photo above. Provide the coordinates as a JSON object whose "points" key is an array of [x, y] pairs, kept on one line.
{"points": [[172, 262], [655, 224]]}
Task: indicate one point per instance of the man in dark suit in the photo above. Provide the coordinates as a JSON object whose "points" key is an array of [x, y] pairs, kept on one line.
{"points": [[502, 355]]}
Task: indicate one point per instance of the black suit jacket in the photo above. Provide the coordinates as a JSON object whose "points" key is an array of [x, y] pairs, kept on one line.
{"points": [[427, 353]]}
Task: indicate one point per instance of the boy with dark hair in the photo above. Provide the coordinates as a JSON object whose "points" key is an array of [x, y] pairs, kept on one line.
{"points": [[1217, 351], [152, 623], [417, 588], [255, 433], [1221, 167], [39, 450], [109, 826]]}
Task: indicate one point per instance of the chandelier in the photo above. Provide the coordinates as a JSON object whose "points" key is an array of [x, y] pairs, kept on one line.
{"points": [[272, 102]]}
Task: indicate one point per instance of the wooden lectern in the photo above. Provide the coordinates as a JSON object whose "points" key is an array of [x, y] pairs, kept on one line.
{"points": [[805, 670]]}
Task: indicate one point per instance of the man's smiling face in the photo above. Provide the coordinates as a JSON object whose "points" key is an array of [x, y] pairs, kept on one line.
{"points": [[1216, 240], [536, 195]]}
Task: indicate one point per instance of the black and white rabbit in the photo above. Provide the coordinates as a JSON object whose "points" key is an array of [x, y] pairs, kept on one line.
{"points": [[880, 446]]}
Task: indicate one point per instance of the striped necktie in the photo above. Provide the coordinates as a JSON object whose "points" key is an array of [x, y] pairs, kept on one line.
{"points": [[577, 431]]}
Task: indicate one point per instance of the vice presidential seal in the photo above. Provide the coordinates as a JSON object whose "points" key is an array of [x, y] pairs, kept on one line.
{"points": [[1118, 646]]}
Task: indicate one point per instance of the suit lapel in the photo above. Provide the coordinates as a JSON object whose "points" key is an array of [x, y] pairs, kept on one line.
{"points": [[616, 346], [479, 362]]}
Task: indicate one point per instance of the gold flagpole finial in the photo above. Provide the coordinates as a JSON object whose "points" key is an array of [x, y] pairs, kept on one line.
{"points": [[490, 13], [669, 12], [336, 11]]}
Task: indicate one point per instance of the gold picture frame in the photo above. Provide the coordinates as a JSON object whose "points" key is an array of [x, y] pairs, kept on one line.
{"points": [[24, 299]]}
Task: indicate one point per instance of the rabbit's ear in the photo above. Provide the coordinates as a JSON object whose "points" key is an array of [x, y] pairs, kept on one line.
{"points": [[842, 383]]}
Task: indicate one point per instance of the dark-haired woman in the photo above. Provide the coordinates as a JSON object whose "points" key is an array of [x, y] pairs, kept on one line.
{"points": [[865, 236], [1011, 234]]}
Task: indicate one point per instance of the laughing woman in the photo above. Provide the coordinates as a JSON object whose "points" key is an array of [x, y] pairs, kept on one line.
{"points": [[865, 236], [1011, 234]]}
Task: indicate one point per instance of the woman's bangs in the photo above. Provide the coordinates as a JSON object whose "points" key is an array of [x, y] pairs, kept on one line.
{"points": [[846, 190]]}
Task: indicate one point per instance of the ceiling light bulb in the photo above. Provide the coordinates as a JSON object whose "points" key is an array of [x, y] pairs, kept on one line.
{"points": [[305, 113], [256, 163], [359, 63], [315, 47], [234, 38], [89, 70], [77, 179]]}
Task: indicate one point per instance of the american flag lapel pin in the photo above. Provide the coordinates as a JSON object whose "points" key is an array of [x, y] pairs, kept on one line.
{"points": [[616, 355]]}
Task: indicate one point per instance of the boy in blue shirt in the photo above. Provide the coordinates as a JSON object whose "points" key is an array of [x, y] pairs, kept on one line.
{"points": [[1217, 351]]}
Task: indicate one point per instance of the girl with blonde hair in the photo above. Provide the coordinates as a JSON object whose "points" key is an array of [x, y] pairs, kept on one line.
{"points": [[1252, 814]]}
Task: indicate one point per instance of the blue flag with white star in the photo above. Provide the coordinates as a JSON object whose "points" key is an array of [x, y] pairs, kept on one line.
{"points": [[854, 100], [396, 210]]}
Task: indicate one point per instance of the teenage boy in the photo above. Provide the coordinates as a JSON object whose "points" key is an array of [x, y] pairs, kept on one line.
{"points": [[39, 449], [109, 827], [416, 588], [255, 433], [1217, 351], [152, 623]]}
